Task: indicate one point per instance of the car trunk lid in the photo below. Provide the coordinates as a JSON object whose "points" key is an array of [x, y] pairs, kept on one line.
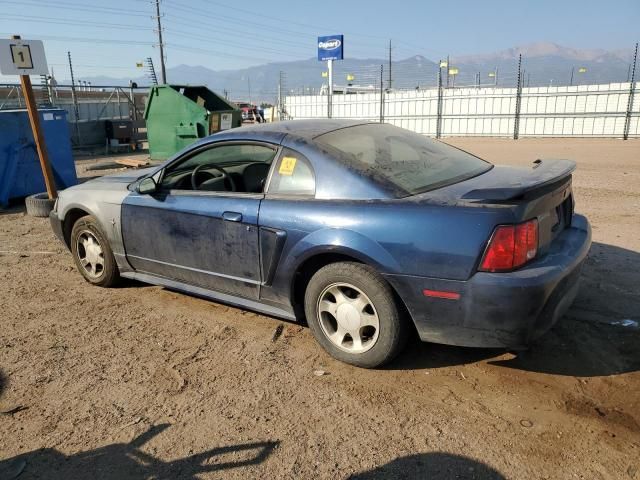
{"points": [[521, 182], [543, 192]]}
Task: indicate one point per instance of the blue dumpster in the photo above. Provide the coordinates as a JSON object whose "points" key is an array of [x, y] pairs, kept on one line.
{"points": [[20, 172]]}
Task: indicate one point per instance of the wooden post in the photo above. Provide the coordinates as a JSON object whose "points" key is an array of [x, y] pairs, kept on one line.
{"points": [[34, 119]]}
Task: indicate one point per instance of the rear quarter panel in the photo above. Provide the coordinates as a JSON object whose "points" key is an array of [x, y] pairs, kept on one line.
{"points": [[397, 237]]}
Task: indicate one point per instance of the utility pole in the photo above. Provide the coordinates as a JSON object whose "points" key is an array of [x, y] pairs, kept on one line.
{"points": [[74, 99], [390, 79], [163, 72]]}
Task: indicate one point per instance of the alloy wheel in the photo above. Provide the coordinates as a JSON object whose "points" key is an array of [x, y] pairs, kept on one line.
{"points": [[90, 253], [348, 318]]}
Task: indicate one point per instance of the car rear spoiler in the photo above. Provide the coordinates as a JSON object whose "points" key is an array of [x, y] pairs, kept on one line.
{"points": [[542, 174]]}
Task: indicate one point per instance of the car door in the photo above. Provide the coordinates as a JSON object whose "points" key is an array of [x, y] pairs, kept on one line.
{"points": [[284, 219], [207, 238]]}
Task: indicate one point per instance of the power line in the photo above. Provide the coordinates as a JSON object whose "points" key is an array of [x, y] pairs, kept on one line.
{"points": [[64, 21], [224, 42], [211, 53], [186, 48], [281, 20], [80, 6], [198, 12], [232, 30], [84, 65], [56, 38], [60, 21], [218, 17], [242, 21]]}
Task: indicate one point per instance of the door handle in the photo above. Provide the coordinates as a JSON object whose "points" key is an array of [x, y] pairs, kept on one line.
{"points": [[232, 216]]}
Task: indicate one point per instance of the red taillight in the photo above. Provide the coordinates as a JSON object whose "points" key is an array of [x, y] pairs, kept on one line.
{"points": [[511, 246]]}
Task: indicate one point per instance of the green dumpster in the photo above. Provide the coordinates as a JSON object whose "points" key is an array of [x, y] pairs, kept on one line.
{"points": [[178, 115]]}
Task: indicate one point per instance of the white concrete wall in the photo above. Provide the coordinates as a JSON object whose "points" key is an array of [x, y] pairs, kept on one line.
{"points": [[583, 111]]}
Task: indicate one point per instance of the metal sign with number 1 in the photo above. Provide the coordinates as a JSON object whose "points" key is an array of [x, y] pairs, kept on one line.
{"points": [[22, 57]]}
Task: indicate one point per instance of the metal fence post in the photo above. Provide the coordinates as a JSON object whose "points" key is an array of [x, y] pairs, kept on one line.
{"points": [[330, 94], [632, 89], [118, 97], [439, 109], [516, 124], [381, 94], [280, 96]]}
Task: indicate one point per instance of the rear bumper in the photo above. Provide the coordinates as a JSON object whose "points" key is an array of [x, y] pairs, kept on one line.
{"points": [[501, 309]]}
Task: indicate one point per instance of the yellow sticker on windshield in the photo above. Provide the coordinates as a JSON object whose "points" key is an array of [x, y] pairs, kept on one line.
{"points": [[287, 165]]}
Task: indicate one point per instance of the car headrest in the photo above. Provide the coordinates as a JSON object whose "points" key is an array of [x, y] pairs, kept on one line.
{"points": [[254, 176]]}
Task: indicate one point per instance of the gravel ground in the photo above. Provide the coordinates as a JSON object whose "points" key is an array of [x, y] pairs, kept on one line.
{"points": [[140, 382]]}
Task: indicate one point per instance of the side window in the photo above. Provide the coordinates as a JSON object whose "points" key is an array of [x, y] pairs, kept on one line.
{"points": [[293, 175], [233, 158], [227, 154]]}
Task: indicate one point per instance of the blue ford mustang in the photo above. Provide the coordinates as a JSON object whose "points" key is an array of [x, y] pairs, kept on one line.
{"points": [[367, 231]]}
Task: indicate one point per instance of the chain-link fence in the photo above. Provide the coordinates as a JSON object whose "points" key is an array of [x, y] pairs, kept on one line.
{"points": [[88, 108]]}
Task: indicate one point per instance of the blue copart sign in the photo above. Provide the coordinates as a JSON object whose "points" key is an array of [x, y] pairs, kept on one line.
{"points": [[331, 47]]}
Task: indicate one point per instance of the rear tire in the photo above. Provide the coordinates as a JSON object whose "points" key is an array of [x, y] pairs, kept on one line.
{"points": [[352, 313], [92, 253]]}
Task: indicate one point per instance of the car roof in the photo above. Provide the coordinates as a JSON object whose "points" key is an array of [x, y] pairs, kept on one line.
{"points": [[305, 129]]}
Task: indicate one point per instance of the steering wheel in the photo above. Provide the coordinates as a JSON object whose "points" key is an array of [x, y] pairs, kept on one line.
{"points": [[225, 176]]}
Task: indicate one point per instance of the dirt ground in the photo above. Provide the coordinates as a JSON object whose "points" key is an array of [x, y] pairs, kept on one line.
{"points": [[141, 382]]}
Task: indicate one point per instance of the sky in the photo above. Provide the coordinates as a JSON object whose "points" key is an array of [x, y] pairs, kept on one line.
{"points": [[109, 38]]}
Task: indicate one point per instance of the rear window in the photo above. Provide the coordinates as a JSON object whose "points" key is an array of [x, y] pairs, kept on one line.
{"points": [[404, 162]]}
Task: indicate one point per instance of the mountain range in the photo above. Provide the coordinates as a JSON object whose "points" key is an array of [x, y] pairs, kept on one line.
{"points": [[543, 64]]}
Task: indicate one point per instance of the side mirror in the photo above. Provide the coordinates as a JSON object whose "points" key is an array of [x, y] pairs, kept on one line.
{"points": [[146, 186]]}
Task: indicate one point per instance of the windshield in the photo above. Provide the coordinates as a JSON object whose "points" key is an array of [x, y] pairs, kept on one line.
{"points": [[404, 162]]}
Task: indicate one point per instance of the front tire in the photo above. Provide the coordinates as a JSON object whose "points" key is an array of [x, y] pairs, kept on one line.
{"points": [[92, 253], [352, 313]]}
